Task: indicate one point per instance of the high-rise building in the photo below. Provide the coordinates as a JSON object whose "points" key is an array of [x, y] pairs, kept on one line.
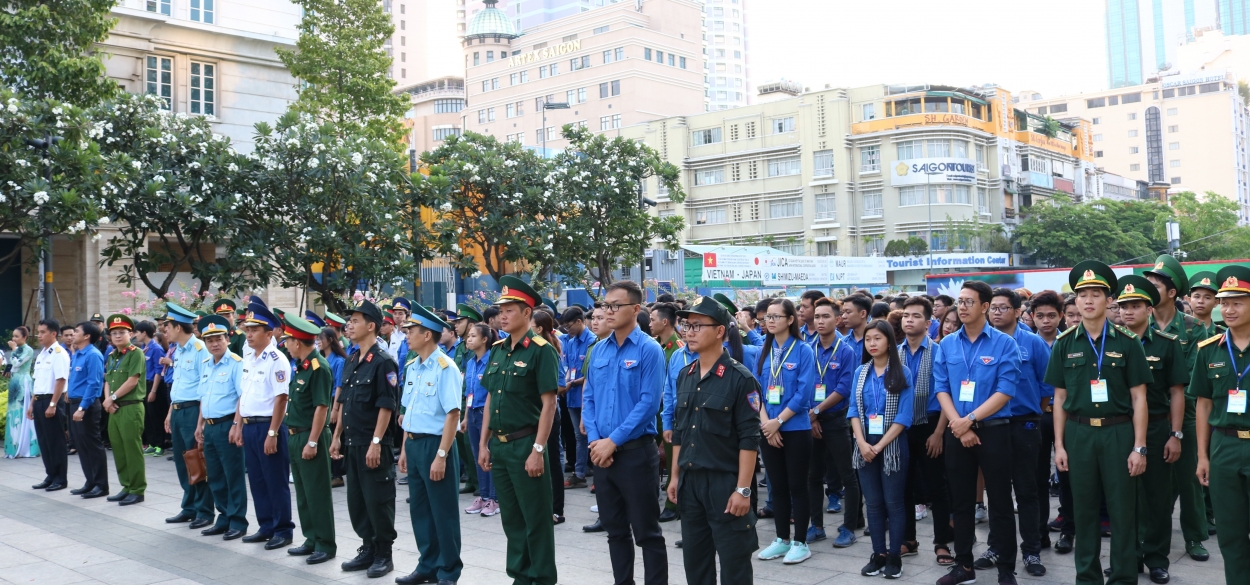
{"points": [[423, 47], [1234, 16], [1142, 35]]}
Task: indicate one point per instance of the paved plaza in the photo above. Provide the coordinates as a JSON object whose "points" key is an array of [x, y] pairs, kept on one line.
{"points": [[55, 538]]}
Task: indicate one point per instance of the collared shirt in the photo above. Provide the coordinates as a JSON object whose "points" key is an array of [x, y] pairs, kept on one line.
{"points": [[517, 376], [336, 362], [397, 337], [992, 363], [1034, 358], [623, 388], [167, 372], [474, 369], [575, 347], [875, 395], [1168, 367], [221, 386], [717, 416], [1188, 331], [1075, 362], [838, 362], [934, 327], [311, 387], [856, 346], [680, 359], [370, 383], [122, 365], [912, 361], [807, 335], [795, 372], [86, 376], [152, 354], [51, 365], [266, 375], [431, 391], [190, 362], [1216, 374]]}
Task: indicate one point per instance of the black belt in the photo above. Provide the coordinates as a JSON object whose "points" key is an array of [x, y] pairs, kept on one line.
{"points": [[120, 404], [73, 401], [1027, 418], [297, 430], [517, 434], [247, 420], [219, 420], [994, 422], [642, 441], [415, 436], [1231, 432], [1158, 417], [1101, 422], [185, 404]]}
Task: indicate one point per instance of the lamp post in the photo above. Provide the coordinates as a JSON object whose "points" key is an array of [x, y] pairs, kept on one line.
{"points": [[550, 106], [1174, 237], [45, 284], [643, 204]]}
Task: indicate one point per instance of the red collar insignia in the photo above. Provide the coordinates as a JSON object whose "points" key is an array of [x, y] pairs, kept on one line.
{"points": [[694, 367], [369, 358], [720, 371], [525, 342], [305, 365]]}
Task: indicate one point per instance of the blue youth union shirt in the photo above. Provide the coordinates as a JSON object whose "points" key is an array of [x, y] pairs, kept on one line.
{"points": [[992, 361], [796, 373], [680, 359], [875, 395], [474, 367], [838, 363], [1034, 357], [912, 362], [86, 376], [575, 347], [623, 386]]}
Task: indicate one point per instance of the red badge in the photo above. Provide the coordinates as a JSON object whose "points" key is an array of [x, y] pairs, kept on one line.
{"points": [[305, 364], [369, 358], [693, 367], [525, 343], [720, 371]]}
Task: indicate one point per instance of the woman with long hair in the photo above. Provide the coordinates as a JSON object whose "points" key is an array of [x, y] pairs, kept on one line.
{"points": [[477, 341], [544, 325], [786, 371], [880, 411], [19, 436], [331, 347], [950, 323]]}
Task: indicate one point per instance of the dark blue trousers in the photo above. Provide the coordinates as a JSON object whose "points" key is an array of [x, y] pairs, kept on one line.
{"points": [[267, 475], [224, 464], [196, 498]]}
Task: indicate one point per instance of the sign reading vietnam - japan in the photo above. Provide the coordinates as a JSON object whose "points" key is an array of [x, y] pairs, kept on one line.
{"points": [[545, 53], [919, 171], [794, 270]]}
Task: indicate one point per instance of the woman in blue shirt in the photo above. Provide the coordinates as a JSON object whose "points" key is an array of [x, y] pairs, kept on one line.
{"points": [[478, 340], [329, 345], [786, 371], [881, 410]]}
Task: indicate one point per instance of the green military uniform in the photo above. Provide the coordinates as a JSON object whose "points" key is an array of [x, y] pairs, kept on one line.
{"points": [[1099, 433], [520, 369], [715, 417], [671, 346], [226, 308], [1219, 377], [310, 389], [1167, 368], [464, 311], [125, 427]]}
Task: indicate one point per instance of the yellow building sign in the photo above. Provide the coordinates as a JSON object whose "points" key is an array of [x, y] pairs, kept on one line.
{"points": [[545, 53]]}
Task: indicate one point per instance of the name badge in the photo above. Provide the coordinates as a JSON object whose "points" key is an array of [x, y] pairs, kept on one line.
{"points": [[876, 424], [967, 391], [568, 375], [774, 394], [470, 399], [820, 393], [1098, 390], [1237, 401]]}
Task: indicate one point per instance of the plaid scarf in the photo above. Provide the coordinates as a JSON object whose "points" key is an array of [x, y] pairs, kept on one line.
{"points": [[923, 378], [891, 454]]}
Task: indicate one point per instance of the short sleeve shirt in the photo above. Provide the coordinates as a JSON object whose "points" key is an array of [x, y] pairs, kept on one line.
{"points": [[121, 366], [190, 363], [431, 390], [52, 364], [266, 375], [1215, 375], [1168, 367], [1074, 365], [370, 384], [310, 387], [220, 386], [717, 415], [517, 376]]}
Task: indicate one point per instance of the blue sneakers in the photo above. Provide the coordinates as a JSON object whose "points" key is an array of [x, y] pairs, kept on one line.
{"points": [[777, 549], [845, 538], [815, 534], [835, 504]]}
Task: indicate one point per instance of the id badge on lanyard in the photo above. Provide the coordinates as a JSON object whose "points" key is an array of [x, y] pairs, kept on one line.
{"points": [[876, 424]]}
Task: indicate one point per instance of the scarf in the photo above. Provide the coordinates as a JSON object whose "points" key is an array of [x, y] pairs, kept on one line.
{"points": [[891, 453], [923, 377]]}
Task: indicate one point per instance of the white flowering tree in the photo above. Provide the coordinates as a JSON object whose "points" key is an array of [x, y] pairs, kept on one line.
{"points": [[490, 203], [45, 192], [176, 190], [334, 212]]}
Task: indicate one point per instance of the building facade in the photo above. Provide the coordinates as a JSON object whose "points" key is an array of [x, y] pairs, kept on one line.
{"points": [[726, 46], [435, 114], [1142, 35], [423, 46]]}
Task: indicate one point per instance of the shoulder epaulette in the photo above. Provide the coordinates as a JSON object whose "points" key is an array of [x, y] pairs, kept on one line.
{"points": [[234, 356], [1166, 335], [315, 364], [1210, 340], [1126, 331], [501, 341], [539, 341], [442, 362], [57, 349], [198, 346], [205, 360], [1065, 332]]}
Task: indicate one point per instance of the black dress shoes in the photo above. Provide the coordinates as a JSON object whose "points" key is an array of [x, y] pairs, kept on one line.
{"points": [[131, 499], [364, 558], [669, 515], [596, 527], [55, 487], [96, 492], [181, 517], [318, 557], [1159, 575], [258, 537], [43, 485], [278, 542], [381, 565], [415, 578], [302, 550], [80, 491], [1063, 546], [233, 534], [119, 496], [216, 530], [199, 523]]}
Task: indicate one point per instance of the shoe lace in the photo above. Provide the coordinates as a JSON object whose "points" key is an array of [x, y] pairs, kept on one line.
{"points": [[1032, 560], [989, 555]]}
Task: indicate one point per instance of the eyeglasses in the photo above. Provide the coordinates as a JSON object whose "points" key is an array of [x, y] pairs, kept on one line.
{"points": [[614, 307], [965, 303], [771, 318], [994, 309], [694, 328]]}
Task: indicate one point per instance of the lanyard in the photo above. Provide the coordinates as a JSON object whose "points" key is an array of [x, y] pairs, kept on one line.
{"points": [[875, 382], [1102, 343], [685, 356], [972, 347], [832, 355], [776, 371], [1233, 362]]}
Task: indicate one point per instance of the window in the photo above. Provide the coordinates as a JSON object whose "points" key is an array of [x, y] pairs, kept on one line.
{"points": [[1037, 165], [709, 176], [607, 56], [485, 85], [542, 72], [579, 62], [822, 161], [712, 215], [939, 148], [1098, 138], [1130, 98], [1172, 111], [1058, 108], [780, 167], [600, 30], [869, 111], [681, 62], [646, 54], [874, 245], [782, 125], [510, 111], [1096, 103], [1097, 154], [983, 201], [610, 122], [872, 203], [490, 56], [1113, 100], [161, 6], [619, 53], [160, 80], [445, 133], [1097, 120], [909, 149], [481, 116], [203, 89], [554, 69], [477, 58], [659, 57], [1132, 134], [1134, 167], [1173, 129], [1204, 88], [611, 88], [912, 195], [513, 79], [708, 136], [1174, 164], [1174, 146], [448, 106], [869, 159], [959, 149], [980, 157], [1134, 149], [1176, 180], [202, 11], [826, 207], [671, 60], [1132, 116], [827, 248], [785, 208]]}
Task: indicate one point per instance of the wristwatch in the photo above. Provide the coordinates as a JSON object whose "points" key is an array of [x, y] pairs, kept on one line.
{"points": [[377, 440], [972, 417], [442, 453], [816, 411], [113, 397], [539, 448], [273, 433], [743, 491], [1140, 451], [312, 444], [1178, 434]]}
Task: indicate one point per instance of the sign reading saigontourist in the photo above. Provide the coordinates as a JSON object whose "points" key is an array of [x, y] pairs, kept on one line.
{"points": [[794, 270], [918, 171], [545, 53]]}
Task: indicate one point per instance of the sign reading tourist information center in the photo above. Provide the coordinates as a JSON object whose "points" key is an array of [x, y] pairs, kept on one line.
{"points": [[800, 270], [918, 171]]}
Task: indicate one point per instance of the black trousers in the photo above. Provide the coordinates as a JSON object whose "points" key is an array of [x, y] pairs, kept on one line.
{"points": [[707, 532], [50, 432], [566, 437], [993, 458], [91, 452], [831, 456], [154, 414], [626, 494], [787, 475], [1042, 478], [371, 498], [554, 466], [1026, 439], [927, 476]]}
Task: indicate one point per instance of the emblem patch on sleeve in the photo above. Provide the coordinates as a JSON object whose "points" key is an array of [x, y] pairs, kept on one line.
{"points": [[754, 399], [392, 379], [280, 375]]}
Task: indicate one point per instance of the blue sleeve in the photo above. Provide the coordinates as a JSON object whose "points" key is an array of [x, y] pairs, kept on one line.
{"points": [[933, 328], [906, 401], [336, 366], [450, 383], [651, 385], [801, 400], [1009, 370], [941, 377], [845, 375], [204, 368], [852, 409], [588, 402], [93, 370], [670, 389], [1039, 366]]}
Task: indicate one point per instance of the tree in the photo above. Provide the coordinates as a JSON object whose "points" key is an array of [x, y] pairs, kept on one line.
{"points": [[917, 246], [1062, 234], [490, 202], [342, 63], [897, 248], [1139, 217], [1209, 229], [180, 191], [48, 49], [597, 181], [333, 212], [1050, 127]]}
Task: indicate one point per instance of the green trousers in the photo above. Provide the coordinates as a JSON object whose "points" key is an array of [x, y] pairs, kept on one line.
{"points": [[1230, 492], [1154, 500], [126, 437], [525, 512], [466, 454], [668, 457], [1098, 468], [434, 507], [227, 476], [1185, 486], [312, 491]]}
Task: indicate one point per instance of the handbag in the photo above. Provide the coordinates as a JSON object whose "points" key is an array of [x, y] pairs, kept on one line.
{"points": [[196, 469]]}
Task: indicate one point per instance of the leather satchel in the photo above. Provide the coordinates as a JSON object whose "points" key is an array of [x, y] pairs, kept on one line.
{"points": [[196, 469]]}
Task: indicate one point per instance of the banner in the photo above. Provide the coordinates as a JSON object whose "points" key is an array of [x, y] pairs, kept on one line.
{"points": [[919, 171], [985, 260], [794, 270]]}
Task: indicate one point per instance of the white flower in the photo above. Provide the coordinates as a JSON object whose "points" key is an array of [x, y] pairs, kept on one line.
{"points": [[12, 106], [41, 197], [232, 167], [313, 162], [357, 158], [445, 207], [136, 164]]}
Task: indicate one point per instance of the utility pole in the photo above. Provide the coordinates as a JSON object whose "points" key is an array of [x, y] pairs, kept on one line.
{"points": [[45, 263]]}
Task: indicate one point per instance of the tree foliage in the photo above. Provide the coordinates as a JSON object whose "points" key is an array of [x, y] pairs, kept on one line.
{"points": [[48, 49], [912, 246], [1062, 234], [1139, 217], [1209, 229]]}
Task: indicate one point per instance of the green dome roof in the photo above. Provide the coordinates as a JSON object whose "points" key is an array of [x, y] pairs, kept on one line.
{"points": [[490, 22]]}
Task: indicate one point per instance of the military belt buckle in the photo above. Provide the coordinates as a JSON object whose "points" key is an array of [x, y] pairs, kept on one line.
{"points": [[1095, 422], [502, 438], [1243, 434], [209, 421]]}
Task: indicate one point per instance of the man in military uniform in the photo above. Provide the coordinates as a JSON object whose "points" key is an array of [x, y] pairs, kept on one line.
{"points": [[335, 322], [363, 435], [225, 308], [522, 378], [465, 317], [715, 441], [1203, 287], [664, 330], [308, 441], [1220, 385], [1100, 373], [189, 363], [125, 387], [219, 401], [1165, 400]]}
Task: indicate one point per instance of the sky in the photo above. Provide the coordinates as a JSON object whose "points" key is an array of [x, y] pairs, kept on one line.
{"points": [[1056, 47]]}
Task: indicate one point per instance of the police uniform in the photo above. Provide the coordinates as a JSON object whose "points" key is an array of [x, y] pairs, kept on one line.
{"points": [[220, 385], [520, 370], [266, 376], [716, 416], [1154, 494], [190, 364], [1099, 431], [370, 386], [1219, 380], [463, 447], [310, 390], [125, 427]]}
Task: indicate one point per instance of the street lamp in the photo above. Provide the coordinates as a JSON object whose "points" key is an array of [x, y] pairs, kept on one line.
{"points": [[550, 106], [45, 285], [643, 204]]}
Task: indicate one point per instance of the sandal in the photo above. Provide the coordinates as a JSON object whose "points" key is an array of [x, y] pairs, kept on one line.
{"points": [[909, 549], [944, 560]]}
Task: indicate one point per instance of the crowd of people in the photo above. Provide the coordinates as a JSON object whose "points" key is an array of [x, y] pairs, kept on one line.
{"points": [[1121, 398]]}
